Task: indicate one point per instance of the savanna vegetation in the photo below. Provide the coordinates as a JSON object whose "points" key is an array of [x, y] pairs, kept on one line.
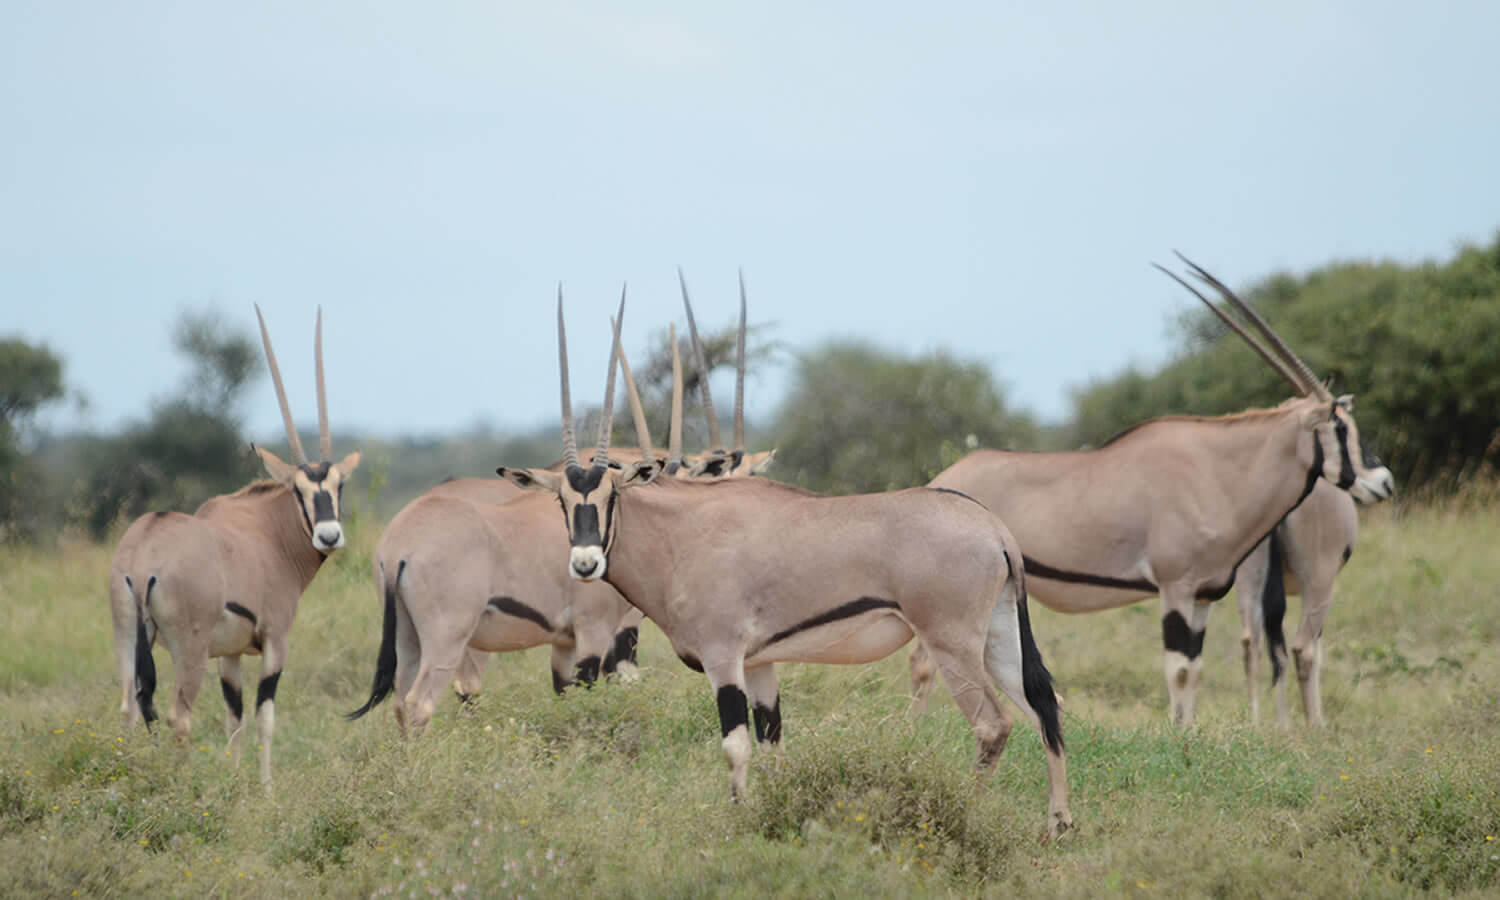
{"points": [[622, 788]]}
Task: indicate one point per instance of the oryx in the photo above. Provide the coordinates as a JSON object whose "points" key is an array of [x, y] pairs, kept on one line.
{"points": [[743, 573], [1172, 505], [1302, 555], [226, 580]]}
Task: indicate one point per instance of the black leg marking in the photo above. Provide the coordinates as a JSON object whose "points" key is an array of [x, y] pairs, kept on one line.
{"points": [[1178, 638], [734, 709], [768, 723], [267, 689], [558, 682], [623, 650], [588, 670], [1273, 610], [232, 698]]}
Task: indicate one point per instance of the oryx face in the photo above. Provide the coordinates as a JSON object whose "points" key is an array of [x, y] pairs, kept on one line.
{"points": [[318, 489], [1346, 463], [589, 503]]}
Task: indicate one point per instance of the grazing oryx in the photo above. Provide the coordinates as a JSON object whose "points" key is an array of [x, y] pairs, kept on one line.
{"points": [[226, 580], [1172, 505], [1302, 555], [743, 573]]}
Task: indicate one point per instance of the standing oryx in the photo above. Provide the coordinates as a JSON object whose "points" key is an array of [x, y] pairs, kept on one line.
{"points": [[1302, 555], [226, 580], [1172, 505], [741, 574]]}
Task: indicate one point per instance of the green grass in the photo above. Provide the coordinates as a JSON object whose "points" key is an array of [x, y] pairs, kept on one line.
{"points": [[624, 790]]}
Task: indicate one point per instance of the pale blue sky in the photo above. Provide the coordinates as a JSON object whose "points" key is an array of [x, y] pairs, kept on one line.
{"points": [[988, 177]]}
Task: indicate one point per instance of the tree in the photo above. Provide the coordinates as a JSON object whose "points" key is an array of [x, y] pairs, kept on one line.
{"points": [[858, 419], [191, 448], [30, 378]]}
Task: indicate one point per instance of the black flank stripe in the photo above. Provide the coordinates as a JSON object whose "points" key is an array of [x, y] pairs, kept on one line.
{"points": [[1040, 570], [513, 607], [852, 608], [240, 611]]}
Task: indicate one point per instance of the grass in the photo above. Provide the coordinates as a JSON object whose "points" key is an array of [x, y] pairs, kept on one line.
{"points": [[623, 789]]}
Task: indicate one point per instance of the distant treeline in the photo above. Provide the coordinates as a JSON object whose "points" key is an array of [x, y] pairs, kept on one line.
{"points": [[1419, 346]]}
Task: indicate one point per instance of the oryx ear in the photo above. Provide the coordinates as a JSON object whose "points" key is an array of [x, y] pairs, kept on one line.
{"points": [[711, 466], [349, 463], [531, 479], [642, 471], [760, 462], [278, 470], [1346, 402]]}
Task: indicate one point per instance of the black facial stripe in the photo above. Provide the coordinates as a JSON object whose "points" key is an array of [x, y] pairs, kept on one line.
{"points": [[587, 670], [316, 472], [609, 521], [586, 526], [513, 607], [585, 480], [1040, 570], [735, 458], [1346, 465], [852, 608], [302, 507], [323, 507]]}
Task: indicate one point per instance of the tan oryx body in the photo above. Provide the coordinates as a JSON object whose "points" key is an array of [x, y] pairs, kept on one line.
{"points": [[225, 581], [1302, 555], [741, 574], [1171, 506]]}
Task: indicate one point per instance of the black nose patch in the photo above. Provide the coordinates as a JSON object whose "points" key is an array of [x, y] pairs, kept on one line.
{"points": [[586, 526], [323, 508]]}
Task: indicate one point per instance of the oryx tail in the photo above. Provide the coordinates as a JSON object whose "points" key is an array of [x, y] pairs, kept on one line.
{"points": [[145, 664], [1273, 606], [1035, 678], [385, 663]]}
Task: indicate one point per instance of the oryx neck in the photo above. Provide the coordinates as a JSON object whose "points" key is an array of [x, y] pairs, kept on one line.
{"points": [[268, 514]]}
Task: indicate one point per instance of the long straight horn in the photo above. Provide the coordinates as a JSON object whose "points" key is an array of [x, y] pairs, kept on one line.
{"points": [[637, 412], [739, 374], [1314, 385], [674, 427], [607, 416], [325, 437], [1239, 329], [702, 365], [570, 443], [298, 457]]}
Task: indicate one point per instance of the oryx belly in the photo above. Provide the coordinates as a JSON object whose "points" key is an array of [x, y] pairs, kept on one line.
{"points": [[507, 625], [1077, 597], [233, 635], [860, 638]]}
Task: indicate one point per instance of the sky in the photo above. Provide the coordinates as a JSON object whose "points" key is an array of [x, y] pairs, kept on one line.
{"points": [[990, 178]]}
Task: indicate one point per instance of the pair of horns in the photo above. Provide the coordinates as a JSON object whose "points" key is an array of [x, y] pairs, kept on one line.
{"points": [[606, 416], [642, 430], [701, 362], [1291, 366], [325, 438]]}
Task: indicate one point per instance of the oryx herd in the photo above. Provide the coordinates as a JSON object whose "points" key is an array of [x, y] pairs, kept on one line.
{"points": [[741, 573]]}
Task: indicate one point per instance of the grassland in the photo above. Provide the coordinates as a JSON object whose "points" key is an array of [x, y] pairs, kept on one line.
{"points": [[623, 790]]}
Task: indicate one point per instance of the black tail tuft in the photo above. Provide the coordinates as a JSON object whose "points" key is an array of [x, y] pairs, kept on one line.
{"points": [[385, 664], [1038, 681], [1273, 610], [145, 663]]}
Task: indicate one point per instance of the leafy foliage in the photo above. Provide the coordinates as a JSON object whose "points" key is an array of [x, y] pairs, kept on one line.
{"points": [[30, 378], [1419, 345], [858, 419]]}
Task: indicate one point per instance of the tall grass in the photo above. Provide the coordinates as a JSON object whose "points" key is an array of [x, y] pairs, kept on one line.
{"points": [[623, 789]]}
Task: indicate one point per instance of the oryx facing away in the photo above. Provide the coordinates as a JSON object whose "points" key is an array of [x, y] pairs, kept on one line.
{"points": [[226, 580], [1302, 555], [1173, 505], [741, 574]]}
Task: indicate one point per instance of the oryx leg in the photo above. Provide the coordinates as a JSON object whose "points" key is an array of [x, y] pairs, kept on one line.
{"points": [[728, 680], [964, 672], [234, 705], [470, 675], [122, 608], [562, 666], [442, 653], [765, 701], [273, 657], [1307, 646], [1005, 661], [1182, 625], [922, 671], [408, 663], [189, 661], [621, 658], [1249, 588]]}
